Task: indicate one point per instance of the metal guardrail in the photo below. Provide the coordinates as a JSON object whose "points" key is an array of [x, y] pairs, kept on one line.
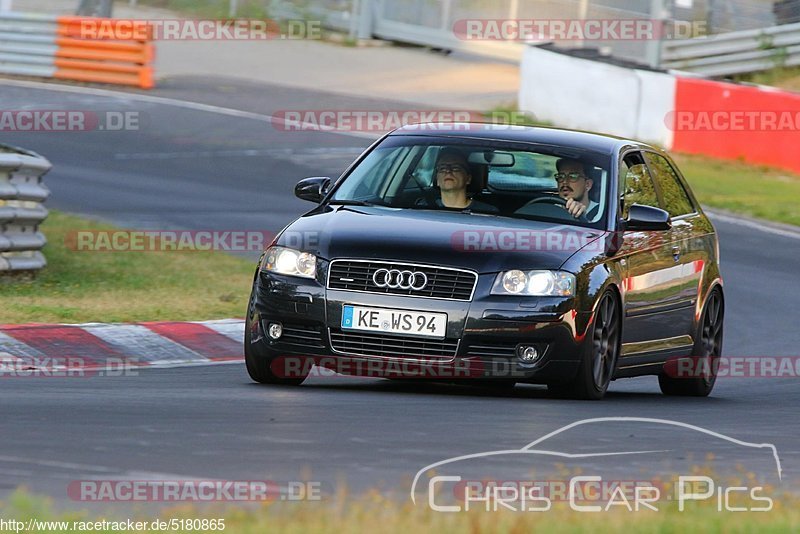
{"points": [[736, 52], [55, 47], [28, 44], [431, 22], [21, 212]]}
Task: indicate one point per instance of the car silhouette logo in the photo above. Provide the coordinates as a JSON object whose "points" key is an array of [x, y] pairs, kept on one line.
{"points": [[533, 447]]}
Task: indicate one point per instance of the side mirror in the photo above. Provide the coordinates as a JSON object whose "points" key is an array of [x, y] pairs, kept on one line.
{"points": [[312, 189], [647, 218]]}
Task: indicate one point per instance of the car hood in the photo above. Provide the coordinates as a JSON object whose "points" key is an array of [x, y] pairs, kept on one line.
{"points": [[483, 243]]}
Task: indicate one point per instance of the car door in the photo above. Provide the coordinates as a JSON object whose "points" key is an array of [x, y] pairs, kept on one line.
{"points": [[687, 254], [654, 324]]}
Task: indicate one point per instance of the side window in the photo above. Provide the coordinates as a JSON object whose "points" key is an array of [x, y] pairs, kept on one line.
{"points": [[636, 184], [676, 201], [370, 176]]}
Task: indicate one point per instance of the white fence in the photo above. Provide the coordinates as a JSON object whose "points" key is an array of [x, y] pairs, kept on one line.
{"points": [[431, 22], [583, 94]]}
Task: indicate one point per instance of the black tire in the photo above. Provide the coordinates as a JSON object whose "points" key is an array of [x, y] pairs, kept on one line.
{"points": [[258, 365], [600, 354], [706, 353]]}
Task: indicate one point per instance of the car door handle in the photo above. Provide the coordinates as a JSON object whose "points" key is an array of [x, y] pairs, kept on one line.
{"points": [[676, 253]]}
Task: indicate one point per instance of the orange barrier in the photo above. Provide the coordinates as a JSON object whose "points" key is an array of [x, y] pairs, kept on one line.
{"points": [[732, 121], [105, 50]]}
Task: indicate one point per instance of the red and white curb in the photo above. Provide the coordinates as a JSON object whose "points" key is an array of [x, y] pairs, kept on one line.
{"points": [[152, 344]]}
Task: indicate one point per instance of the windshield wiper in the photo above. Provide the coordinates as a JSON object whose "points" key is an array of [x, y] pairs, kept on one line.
{"points": [[351, 202]]}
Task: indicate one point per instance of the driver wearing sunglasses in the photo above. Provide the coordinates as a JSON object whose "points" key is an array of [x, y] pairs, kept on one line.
{"points": [[574, 185]]}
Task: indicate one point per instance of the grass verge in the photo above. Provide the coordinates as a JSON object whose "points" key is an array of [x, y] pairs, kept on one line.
{"points": [[753, 190], [125, 286], [376, 513], [214, 9], [786, 78]]}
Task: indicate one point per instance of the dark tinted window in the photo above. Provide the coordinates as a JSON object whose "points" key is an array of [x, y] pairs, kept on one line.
{"points": [[506, 179], [676, 201]]}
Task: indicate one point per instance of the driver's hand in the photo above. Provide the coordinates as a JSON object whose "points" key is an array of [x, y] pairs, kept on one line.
{"points": [[575, 208]]}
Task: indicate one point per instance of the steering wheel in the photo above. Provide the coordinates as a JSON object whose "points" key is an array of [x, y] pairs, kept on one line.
{"points": [[554, 200], [550, 199], [428, 193]]}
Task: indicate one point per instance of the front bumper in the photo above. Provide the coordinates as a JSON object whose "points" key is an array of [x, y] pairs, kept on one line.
{"points": [[481, 339]]}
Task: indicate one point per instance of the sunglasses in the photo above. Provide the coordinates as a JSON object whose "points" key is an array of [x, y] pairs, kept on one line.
{"points": [[451, 168], [568, 176]]}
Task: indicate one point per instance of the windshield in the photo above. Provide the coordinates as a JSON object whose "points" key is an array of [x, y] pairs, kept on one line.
{"points": [[557, 184]]}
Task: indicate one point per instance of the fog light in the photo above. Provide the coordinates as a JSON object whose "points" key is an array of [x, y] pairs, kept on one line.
{"points": [[528, 354], [275, 330]]}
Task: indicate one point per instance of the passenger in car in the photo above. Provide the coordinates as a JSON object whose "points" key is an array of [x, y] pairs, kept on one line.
{"points": [[452, 177]]}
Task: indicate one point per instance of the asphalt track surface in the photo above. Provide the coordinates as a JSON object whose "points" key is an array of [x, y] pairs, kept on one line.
{"points": [[196, 166]]}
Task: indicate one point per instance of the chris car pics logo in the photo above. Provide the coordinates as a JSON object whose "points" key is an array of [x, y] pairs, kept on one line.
{"points": [[451, 489]]}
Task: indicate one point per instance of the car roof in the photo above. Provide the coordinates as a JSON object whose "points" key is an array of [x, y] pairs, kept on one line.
{"points": [[526, 134]]}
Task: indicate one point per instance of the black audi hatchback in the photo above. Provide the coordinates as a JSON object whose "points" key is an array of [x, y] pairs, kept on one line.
{"points": [[495, 254]]}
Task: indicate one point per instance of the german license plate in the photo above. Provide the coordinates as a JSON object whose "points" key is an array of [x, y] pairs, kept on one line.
{"points": [[412, 323]]}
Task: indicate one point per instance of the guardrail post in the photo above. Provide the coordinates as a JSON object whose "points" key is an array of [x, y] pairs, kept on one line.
{"points": [[583, 14], [446, 10], [95, 8], [658, 17], [365, 15], [354, 19], [21, 210]]}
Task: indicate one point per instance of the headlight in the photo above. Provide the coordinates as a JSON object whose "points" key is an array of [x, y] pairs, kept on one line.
{"points": [[535, 283], [284, 260]]}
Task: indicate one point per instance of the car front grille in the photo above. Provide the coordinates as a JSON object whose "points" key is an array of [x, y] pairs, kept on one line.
{"points": [[443, 282], [369, 344]]}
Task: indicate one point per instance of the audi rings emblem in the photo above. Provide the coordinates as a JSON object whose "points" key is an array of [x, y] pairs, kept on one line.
{"points": [[397, 279]]}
